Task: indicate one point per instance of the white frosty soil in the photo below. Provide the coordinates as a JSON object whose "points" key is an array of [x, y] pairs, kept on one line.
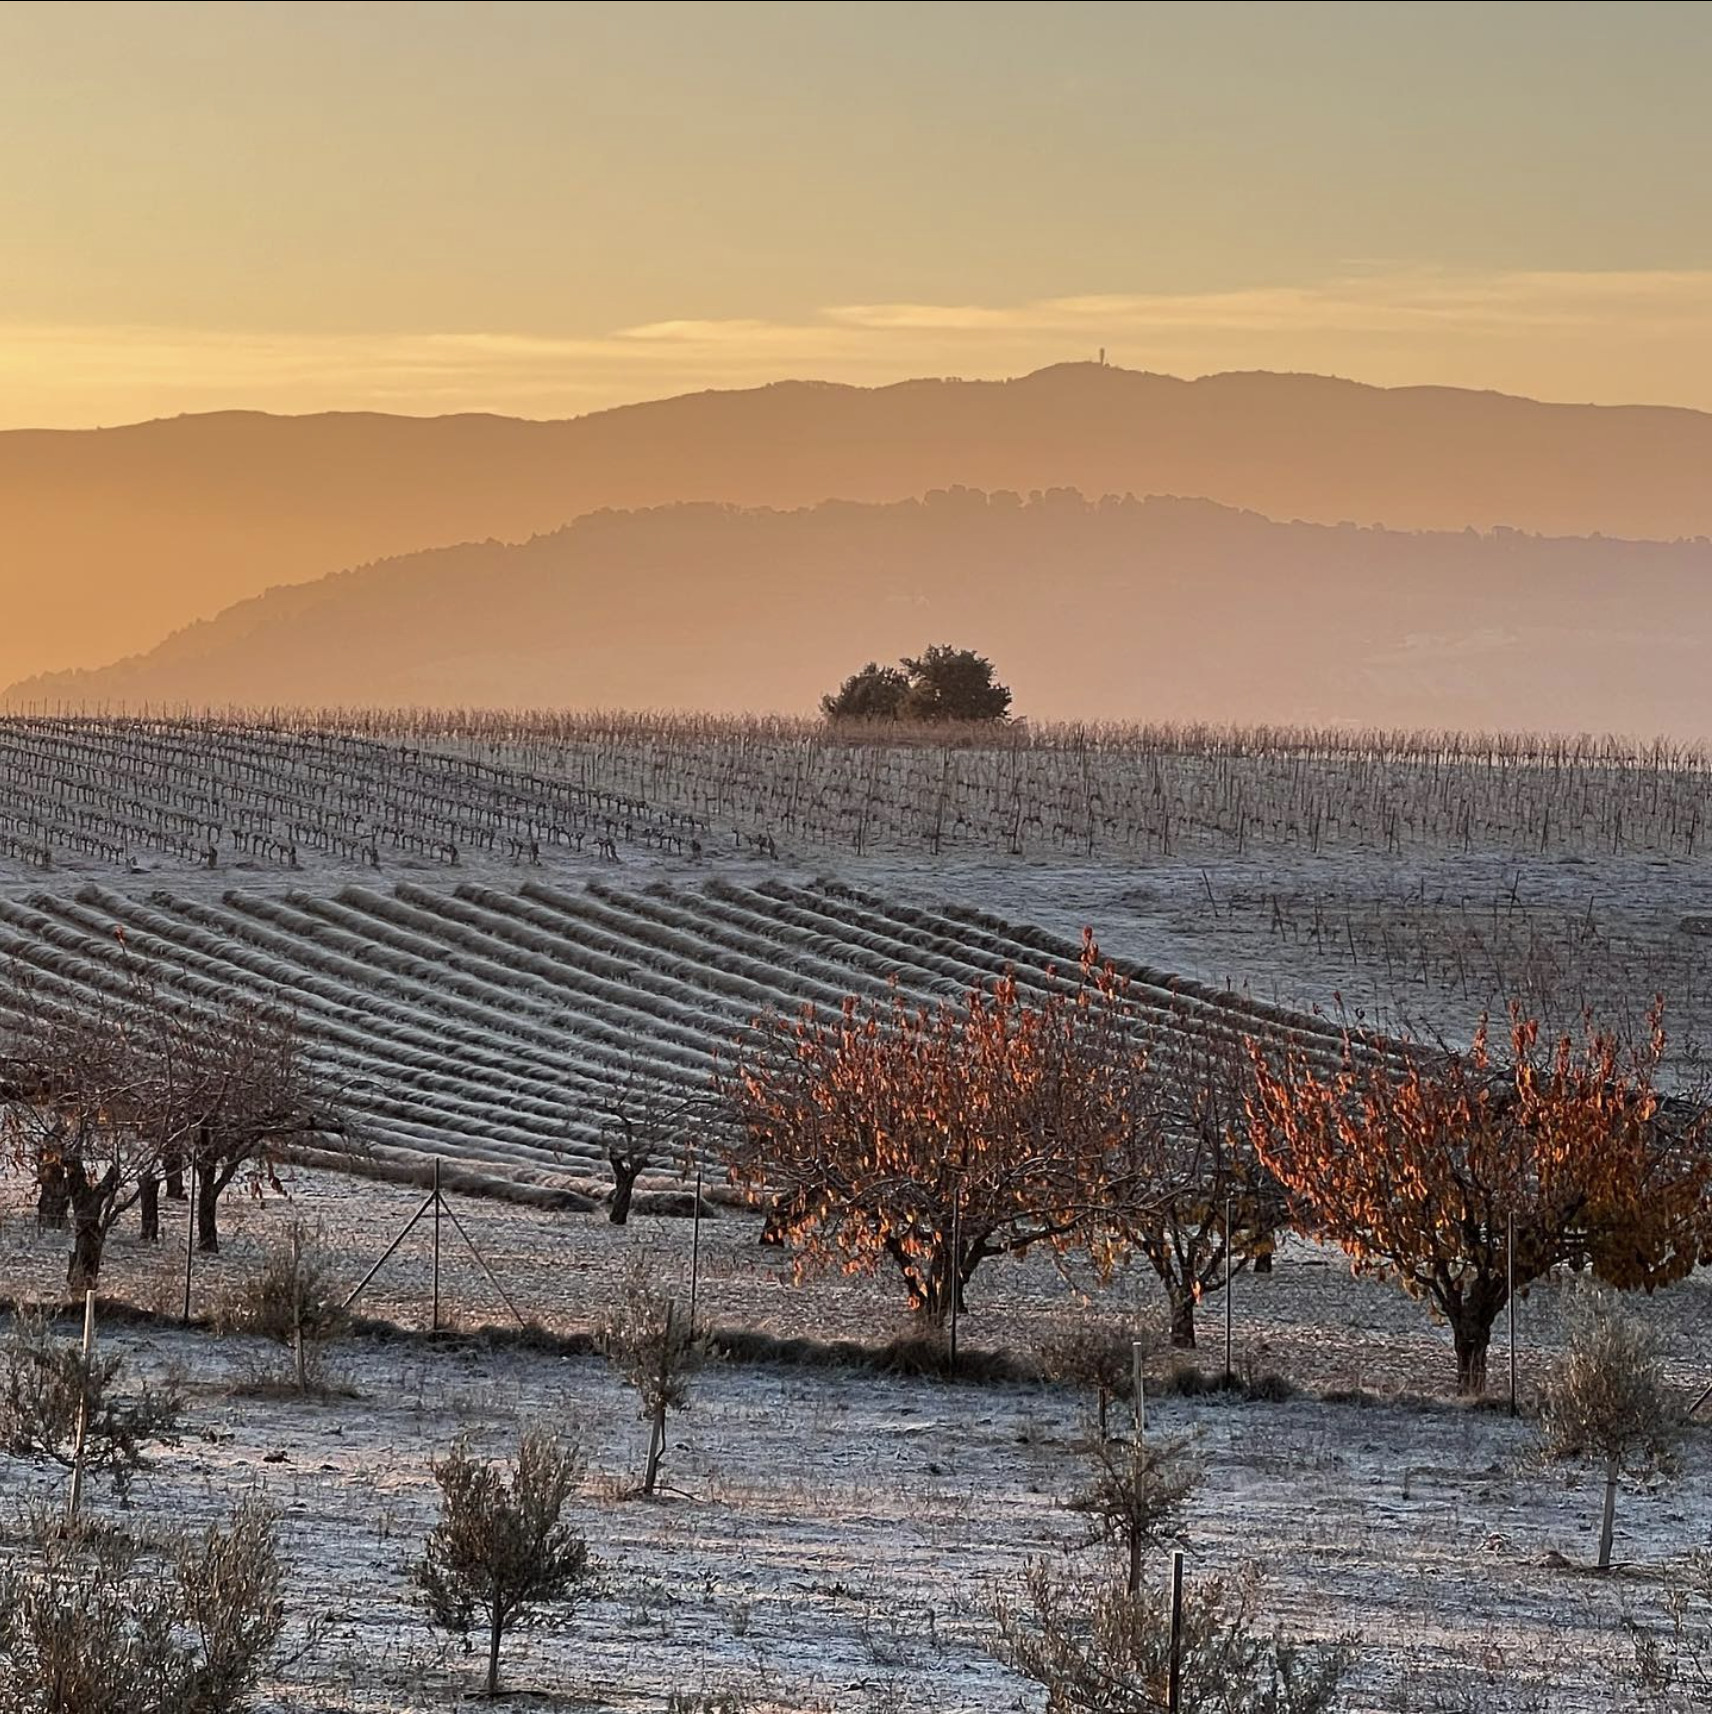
{"points": [[833, 1539], [834, 1542]]}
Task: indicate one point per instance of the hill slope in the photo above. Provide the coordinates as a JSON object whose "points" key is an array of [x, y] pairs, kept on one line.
{"points": [[1116, 609], [113, 537]]}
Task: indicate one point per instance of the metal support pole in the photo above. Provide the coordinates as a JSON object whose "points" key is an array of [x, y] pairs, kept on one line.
{"points": [[437, 1206], [481, 1262], [956, 1268], [386, 1255], [1138, 1391], [1174, 1685]]}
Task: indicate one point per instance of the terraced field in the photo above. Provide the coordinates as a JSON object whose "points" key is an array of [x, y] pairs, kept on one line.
{"points": [[491, 1027]]}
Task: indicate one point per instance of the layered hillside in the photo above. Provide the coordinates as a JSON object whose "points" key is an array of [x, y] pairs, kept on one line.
{"points": [[114, 537], [1113, 609]]}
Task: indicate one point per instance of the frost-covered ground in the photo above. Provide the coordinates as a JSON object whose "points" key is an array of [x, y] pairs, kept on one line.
{"points": [[835, 1541]]}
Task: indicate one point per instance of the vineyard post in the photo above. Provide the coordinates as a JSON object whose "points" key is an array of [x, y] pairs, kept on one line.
{"points": [[189, 1239], [436, 1312], [74, 1497], [1174, 1682]]}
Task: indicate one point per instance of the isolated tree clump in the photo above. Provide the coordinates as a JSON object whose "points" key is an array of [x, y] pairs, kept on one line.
{"points": [[47, 1387], [1098, 1648], [1607, 1402], [874, 693], [933, 1139], [1416, 1160], [648, 1340], [95, 1621], [939, 685], [502, 1548]]}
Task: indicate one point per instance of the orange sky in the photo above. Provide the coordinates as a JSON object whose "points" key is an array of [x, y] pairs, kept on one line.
{"points": [[543, 209]]}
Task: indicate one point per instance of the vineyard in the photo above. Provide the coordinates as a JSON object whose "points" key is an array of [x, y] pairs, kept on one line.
{"points": [[203, 792], [380, 789], [493, 1028]]}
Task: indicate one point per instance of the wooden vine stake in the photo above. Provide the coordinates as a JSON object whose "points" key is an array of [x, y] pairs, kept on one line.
{"points": [[74, 1498]]}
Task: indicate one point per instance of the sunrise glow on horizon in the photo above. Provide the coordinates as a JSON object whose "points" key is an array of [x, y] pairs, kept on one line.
{"points": [[543, 211]]}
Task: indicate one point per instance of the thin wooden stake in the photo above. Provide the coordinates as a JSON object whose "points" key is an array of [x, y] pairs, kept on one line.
{"points": [[297, 1309], [189, 1239], [74, 1498], [695, 1251], [1228, 1310], [1138, 1391]]}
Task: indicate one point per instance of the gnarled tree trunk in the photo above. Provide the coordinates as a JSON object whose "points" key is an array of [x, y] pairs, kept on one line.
{"points": [[208, 1188], [53, 1196], [1182, 1315], [148, 1192]]}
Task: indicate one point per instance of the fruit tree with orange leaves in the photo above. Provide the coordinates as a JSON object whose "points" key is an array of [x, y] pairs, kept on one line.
{"points": [[1415, 1160], [935, 1138]]}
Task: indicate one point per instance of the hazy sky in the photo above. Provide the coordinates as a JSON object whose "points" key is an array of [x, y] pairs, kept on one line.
{"points": [[546, 208]]}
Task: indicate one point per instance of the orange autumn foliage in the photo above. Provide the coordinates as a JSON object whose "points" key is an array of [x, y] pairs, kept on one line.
{"points": [[1414, 1161], [934, 1138]]}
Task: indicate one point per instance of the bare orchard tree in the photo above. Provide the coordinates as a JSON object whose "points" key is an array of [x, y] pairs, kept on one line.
{"points": [[644, 1123], [1607, 1401], [69, 1113], [229, 1084], [105, 1094], [1216, 1206]]}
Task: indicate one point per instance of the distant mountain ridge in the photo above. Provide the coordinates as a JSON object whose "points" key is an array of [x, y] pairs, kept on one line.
{"points": [[111, 538], [1110, 609]]}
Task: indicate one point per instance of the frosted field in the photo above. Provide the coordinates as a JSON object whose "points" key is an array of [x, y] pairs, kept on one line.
{"points": [[475, 968], [834, 1541]]}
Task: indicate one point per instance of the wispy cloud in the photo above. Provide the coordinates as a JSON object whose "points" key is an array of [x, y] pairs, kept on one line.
{"points": [[1609, 336]]}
